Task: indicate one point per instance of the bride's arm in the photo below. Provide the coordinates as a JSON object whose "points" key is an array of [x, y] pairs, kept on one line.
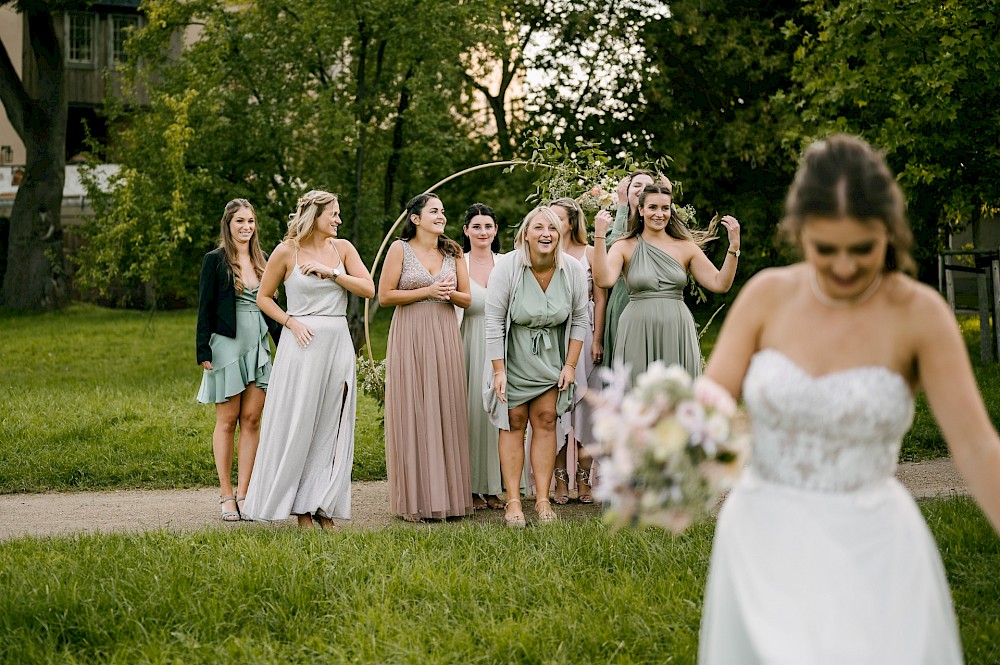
{"points": [[947, 378], [740, 334]]}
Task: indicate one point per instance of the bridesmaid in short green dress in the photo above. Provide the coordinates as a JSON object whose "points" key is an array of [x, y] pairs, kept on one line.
{"points": [[536, 320], [656, 255], [232, 348]]}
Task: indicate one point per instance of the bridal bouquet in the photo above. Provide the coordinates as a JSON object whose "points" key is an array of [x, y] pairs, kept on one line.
{"points": [[596, 199], [666, 448]]}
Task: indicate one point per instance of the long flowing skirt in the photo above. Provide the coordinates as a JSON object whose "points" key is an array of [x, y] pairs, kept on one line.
{"points": [[484, 456], [825, 578], [306, 450], [426, 421]]}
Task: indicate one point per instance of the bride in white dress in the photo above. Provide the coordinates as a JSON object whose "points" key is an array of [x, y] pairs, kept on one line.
{"points": [[820, 555]]}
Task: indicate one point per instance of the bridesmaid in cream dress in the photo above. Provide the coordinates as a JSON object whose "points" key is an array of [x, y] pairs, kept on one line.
{"points": [[303, 464], [426, 419], [481, 245]]}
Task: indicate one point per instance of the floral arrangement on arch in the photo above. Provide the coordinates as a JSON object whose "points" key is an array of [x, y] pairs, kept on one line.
{"points": [[583, 172], [371, 378], [666, 449]]}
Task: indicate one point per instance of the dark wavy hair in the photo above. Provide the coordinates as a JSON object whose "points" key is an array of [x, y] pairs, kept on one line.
{"points": [[843, 176], [416, 206], [481, 209]]}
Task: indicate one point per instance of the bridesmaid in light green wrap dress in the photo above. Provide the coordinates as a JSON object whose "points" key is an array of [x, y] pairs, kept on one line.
{"points": [[656, 255], [536, 320]]}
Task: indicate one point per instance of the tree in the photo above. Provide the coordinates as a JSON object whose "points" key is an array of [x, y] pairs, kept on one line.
{"points": [[34, 276], [276, 97], [920, 80], [711, 70]]}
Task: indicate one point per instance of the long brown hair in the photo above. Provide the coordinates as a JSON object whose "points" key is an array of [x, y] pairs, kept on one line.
{"points": [[416, 206], [226, 243], [675, 227], [843, 176]]}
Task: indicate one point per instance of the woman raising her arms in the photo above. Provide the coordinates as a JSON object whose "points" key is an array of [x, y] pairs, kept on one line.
{"points": [[656, 256]]}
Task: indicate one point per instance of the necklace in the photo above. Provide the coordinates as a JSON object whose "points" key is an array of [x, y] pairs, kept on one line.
{"points": [[844, 302]]}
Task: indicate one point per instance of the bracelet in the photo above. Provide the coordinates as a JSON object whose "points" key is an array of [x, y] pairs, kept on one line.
{"points": [[571, 365], [596, 237], [503, 371], [287, 319]]}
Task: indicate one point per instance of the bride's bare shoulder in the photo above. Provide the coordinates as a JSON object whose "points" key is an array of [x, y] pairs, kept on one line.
{"points": [[918, 300], [774, 284]]}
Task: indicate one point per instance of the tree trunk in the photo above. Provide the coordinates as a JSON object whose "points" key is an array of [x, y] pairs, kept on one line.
{"points": [[355, 315], [35, 278]]}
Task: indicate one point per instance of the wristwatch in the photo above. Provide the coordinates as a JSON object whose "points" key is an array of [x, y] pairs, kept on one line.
{"points": [[735, 253], [337, 272]]}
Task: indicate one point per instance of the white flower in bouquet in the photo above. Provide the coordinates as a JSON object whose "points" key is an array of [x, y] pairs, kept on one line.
{"points": [[597, 198], [666, 449]]}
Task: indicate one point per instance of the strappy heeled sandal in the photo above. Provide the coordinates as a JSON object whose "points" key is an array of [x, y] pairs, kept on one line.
{"points": [[514, 521], [543, 508], [229, 515], [239, 506], [561, 476], [583, 478]]}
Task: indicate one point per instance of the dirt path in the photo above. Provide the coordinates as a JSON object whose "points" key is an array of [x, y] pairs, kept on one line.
{"points": [[56, 514]]}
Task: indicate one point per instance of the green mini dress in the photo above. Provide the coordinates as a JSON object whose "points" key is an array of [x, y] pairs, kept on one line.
{"points": [[239, 361], [536, 352]]}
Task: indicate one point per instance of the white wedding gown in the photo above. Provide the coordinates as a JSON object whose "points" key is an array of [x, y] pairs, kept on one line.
{"points": [[820, 555]]}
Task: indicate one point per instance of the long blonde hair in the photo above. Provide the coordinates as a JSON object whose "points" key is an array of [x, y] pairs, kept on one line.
{"points": [[229, 247], [675, 227], [522, 230], [302, 222], [577, 221]]}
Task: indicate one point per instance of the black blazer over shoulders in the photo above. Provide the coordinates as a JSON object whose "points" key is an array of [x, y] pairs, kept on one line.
{"points": [[217, 304]]}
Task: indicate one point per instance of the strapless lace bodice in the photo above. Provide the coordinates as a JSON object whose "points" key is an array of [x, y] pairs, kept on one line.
{"points": [[838, 432]]}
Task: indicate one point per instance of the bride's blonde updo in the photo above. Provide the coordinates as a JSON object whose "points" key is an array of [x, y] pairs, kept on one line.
{"points": [[310, 205], [843, 176]]}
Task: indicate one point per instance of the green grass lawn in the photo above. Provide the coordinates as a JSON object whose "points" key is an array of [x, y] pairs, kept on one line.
{"points": [[93, 398], [572, 592]]}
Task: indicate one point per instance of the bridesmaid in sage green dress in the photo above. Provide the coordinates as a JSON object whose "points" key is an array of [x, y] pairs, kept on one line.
{"points": [[481, 245], [617, 297], [536, 320], [232, 348], [656, 255]]}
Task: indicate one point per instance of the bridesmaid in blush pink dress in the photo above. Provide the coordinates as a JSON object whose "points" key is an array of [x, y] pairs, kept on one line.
{"points": [[426, 421]]}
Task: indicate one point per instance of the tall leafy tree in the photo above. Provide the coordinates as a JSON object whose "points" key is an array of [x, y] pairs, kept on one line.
{"points": [[711, 70], [38, 111], [365, 99], [919, 79]]}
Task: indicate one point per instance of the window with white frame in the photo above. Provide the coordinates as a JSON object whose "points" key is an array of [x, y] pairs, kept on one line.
{"points": [[81, 38], [121, 28]]}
